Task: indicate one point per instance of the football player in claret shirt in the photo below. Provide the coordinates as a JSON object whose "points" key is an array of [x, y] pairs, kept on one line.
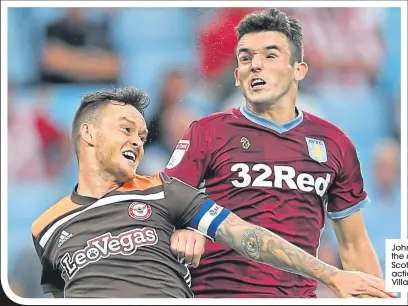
{"points": [[111, 236], [273, 165]]}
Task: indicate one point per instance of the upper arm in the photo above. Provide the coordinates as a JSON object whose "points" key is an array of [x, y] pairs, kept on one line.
{"points": [[51, 279], [210, 218], [350, 231], [191, 157], [189, 207], [346, 195], [183, 201]]}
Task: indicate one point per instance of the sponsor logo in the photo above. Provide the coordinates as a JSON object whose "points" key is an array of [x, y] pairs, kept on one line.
{"points": [[106, 245], [64, 238], [245, 143], [282, 174]]}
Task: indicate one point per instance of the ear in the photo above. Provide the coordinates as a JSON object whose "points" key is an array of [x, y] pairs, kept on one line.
{"points": [[300, 71], [236, 77], [88, 133]]}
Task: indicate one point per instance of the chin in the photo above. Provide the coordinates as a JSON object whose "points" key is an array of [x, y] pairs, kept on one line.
{"points": [[262, 98], [258, 97], [131, 174], [126, 174]]}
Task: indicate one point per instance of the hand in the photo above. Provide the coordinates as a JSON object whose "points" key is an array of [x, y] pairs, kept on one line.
{"points": [[365, 296], [346, 284], [189, 245]]}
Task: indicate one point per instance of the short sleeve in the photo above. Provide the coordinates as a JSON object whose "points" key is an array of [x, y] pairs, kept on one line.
{"points": [[347, 195], [51, 279], [192, 208], [191, 157]]}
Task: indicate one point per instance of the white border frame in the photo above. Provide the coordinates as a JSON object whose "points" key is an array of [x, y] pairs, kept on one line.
{"points": [[4, 134]]}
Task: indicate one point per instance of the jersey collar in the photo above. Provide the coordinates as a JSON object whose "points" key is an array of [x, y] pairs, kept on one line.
{"points": [[80, 199], [280, 128]]}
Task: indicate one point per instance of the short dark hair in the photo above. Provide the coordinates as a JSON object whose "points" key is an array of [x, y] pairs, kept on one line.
{"points": [[274, 20], [93, 102]]}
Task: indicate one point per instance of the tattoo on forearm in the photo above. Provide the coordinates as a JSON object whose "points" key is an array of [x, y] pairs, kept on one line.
{"points": [[251, 245], [266, 247]]}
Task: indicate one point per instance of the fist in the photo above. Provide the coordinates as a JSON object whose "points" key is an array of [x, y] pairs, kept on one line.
{"points": [[189, 245]]}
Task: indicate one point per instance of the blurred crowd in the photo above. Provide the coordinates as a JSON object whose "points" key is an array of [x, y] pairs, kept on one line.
{"points": [[184, 59]]}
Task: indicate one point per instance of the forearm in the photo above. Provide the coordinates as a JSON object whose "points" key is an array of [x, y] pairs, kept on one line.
{"points": [[351, 258], [261, 245], [356, 251]]}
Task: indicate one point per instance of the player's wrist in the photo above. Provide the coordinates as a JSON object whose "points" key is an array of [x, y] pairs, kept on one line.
{"points": [[329, 278]]}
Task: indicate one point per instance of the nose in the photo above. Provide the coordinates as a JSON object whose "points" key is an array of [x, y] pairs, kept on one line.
{"points": [[137, 142], [256, 63]]}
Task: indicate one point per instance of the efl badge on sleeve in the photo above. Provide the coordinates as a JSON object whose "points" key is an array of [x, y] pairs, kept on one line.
{"points": [[178, 153], [317, 149]]}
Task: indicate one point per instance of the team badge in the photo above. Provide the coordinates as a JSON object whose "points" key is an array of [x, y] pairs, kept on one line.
{"points": [[317, 149], [245, 143], [140, 211], [178, 153]]}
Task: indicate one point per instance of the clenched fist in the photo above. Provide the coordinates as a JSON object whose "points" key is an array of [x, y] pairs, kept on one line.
{"points": [[189, 245]]}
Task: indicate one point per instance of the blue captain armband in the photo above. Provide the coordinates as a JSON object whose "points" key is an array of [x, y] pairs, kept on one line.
{"points": [[208, 219]]}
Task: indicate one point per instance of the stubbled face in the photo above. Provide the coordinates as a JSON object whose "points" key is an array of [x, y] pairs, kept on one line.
{"points": [[119, 142], [264, 71]]}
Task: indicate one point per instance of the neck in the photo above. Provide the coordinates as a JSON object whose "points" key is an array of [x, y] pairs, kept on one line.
{"points": [[94, 183], [280, 112]]}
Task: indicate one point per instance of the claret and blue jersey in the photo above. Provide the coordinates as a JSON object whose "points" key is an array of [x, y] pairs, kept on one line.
{"points": [[284, 177]]}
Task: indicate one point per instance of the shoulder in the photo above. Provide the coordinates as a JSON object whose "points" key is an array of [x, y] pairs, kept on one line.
{"points": [[52, 214], [332, 131], [215, 118], [173, 184]]}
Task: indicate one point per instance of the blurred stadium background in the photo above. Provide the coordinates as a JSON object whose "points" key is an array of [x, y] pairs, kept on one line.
{"points": [[183, 58]]}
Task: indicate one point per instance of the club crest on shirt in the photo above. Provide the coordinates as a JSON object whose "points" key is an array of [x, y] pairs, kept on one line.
{"points": [[178, 153], [140, 211], [245, 143], [317, 149]]}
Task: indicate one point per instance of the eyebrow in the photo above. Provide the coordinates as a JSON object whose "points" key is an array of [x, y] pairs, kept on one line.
{"points": [[270, 47], [133, 123], [241, 50], [128, 120], [273, 47]]}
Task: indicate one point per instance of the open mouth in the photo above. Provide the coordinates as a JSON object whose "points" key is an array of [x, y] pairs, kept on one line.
{"points": [[129, 155], [258, 82]]}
